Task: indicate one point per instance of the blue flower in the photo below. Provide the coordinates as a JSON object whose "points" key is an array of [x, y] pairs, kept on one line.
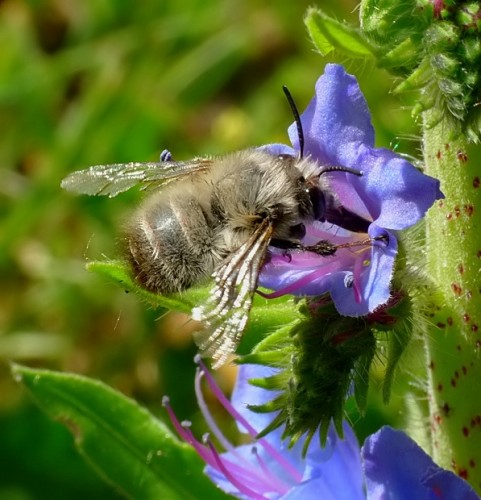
{"points": [[391, 195], [390, 465], [395, 467]]}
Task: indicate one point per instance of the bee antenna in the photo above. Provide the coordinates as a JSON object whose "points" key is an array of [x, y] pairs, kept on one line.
{"points": [[297, 119], [353, 171]]}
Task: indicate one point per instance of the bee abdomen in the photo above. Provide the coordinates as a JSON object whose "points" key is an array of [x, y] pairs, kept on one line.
{"points": [[170, 245]]}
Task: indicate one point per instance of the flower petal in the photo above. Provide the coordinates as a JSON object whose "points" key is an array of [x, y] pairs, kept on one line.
{"points": [[358, 282], [327, 474], [245, 394], [371, 288], [323, 471], [278, 149], [394, 192], [396, 467], [336, 121]]}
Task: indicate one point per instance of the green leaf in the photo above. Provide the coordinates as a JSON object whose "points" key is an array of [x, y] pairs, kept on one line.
{"points": [[361, 377], [398, 340], [329, 34], [118, 272], [123, 442]]}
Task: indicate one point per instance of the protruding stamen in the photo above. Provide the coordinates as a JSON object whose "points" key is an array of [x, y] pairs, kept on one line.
{"points": [[240, 419], [275, 482], [207, 415], [230, 477]]}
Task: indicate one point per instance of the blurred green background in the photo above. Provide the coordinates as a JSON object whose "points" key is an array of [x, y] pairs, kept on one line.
{"points": [[104, 81]]}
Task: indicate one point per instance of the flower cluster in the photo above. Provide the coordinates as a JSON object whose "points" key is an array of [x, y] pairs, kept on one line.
{"points": [[391, 195], [390, 464]]}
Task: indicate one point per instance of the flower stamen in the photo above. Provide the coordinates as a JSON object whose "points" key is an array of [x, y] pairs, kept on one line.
{"points": [[292, 471], [276, 482], [305, 280], [219, 464], [207, 414]]}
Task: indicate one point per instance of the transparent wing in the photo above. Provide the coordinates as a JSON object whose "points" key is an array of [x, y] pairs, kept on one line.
{"points": [[110, 180], [226, 313]]}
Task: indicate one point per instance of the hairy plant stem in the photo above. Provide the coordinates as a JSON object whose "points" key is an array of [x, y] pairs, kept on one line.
{"points": [[453, 339]]}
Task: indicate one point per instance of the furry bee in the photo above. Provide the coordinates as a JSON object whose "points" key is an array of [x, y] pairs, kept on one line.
{"points": [[217, 217]]}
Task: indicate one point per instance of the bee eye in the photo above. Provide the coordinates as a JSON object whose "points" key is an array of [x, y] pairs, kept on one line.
{"points": [[318, 203], [298, 231]]}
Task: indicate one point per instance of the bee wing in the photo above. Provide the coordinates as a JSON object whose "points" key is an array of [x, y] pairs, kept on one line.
{"points": [[110, 180], [226, 313]]}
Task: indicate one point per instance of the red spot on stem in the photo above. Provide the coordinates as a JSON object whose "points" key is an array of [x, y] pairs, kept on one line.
{"points": [[474, 327], [446, 409], [438, 155], [449, 321], [462, 156], [460, 269], [465, 432], [476, 182], [466, 317], [457, 290], [469, 209]]}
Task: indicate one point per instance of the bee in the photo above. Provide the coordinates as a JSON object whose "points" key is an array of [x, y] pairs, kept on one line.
{"points": [[217, 217]]}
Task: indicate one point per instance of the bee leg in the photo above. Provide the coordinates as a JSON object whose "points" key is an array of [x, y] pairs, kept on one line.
{"points": [[323, 247], [285, 245]]}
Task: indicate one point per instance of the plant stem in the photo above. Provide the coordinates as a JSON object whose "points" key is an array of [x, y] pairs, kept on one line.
{"points": [[453, 339]]}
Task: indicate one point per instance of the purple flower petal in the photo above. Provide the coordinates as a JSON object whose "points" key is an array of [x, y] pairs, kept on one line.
{"points": [[278, 149], [390, 465], [396, 467], [396, 195], [372, 288], [392, 194], [336, 121], [324, 470], [325, 476], [245, 394], [358, 282], [338, 131]]}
